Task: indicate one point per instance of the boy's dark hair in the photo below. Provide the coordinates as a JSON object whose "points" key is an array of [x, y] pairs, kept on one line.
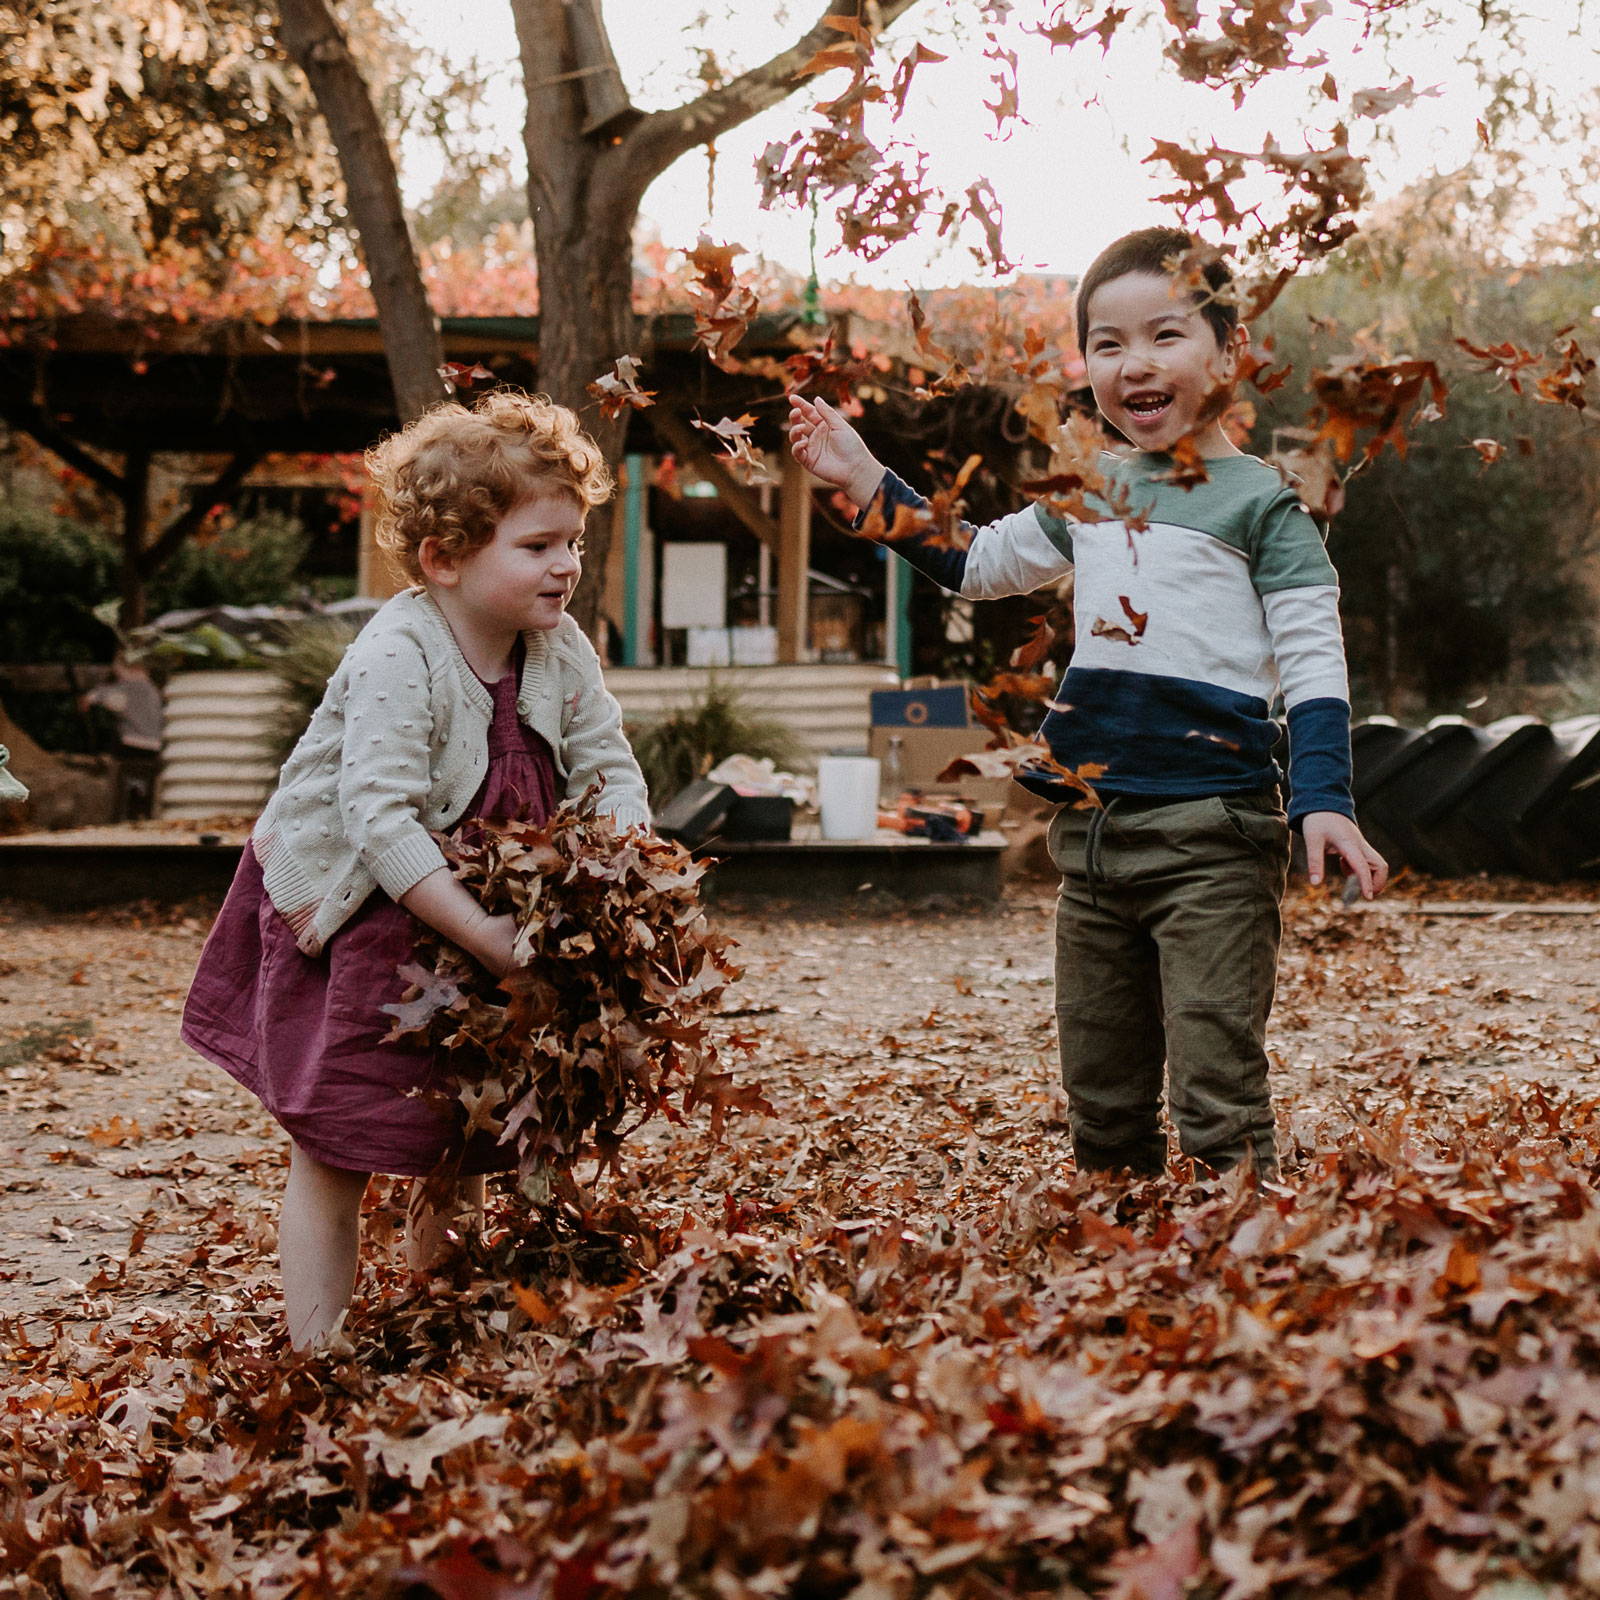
{"points": [[1152, 250]]}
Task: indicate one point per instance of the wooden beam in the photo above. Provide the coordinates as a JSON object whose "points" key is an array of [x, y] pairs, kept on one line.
{"points": [[687, 443], [27, 418], [794, 561], [222, 491], [376, 577]]}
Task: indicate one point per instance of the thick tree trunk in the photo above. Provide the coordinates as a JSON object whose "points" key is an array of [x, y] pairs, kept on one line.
{"points": [[410, 330], [583, 241], [584, 195]]}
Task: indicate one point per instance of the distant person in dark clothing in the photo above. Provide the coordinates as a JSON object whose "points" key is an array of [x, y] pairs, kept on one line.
{"points": [[134, 700]]}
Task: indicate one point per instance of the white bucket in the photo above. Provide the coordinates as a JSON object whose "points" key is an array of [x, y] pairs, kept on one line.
{"points": [[847, 796]]}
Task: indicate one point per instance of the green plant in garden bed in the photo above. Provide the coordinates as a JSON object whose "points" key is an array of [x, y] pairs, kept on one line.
{"points": [[681, 745], [302, 665]]}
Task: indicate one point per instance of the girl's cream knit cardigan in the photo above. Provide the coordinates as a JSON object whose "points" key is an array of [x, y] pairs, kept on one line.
{"points": [[399, 746]]}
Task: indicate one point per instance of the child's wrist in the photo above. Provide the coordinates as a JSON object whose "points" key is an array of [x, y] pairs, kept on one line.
{"points": [[865, 482]]}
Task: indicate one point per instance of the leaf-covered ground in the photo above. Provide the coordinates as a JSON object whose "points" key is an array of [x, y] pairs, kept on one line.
{"points": [[882, 1343]]}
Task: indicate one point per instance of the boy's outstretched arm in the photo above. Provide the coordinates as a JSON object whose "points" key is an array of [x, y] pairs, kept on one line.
{"points": [[1015, 555], [829, 448]]}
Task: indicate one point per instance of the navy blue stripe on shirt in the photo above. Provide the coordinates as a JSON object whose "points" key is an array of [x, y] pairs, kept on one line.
{"points": [[1161, 736]]}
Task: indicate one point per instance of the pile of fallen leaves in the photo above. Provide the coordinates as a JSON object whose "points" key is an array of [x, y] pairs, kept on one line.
{"points": [[1382, 1378], [603, 1018]]}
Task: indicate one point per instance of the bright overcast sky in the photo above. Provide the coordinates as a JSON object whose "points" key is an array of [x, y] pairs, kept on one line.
{"points": [[1070, 179]]}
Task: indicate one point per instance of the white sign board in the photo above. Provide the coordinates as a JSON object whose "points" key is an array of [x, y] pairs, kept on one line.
{"points": [[694, 586]]}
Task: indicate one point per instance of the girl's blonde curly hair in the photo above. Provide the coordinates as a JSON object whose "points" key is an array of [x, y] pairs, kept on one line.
{"points": [[454, 473]]}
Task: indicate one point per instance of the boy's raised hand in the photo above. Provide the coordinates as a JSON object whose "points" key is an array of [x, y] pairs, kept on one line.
{"points": [[1331, 830], [828, 447]]}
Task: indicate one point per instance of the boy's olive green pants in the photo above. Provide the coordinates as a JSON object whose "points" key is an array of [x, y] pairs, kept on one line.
{"points": [[1166, 955]]}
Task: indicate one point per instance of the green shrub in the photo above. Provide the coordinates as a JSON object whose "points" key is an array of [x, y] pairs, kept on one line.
{"points": [[682, 745], [302, 666], [53, 573], [252, 563]]}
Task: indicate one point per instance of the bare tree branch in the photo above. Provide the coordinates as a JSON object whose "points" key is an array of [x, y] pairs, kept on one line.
{"points": [[656, 142]]}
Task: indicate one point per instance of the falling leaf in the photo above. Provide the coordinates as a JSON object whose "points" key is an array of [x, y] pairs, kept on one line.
{"points": [[723, 305], [1380, 102], [460, 375], [618, 391]]}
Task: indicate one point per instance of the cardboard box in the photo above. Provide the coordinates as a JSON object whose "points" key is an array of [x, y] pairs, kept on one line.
{"points": [[926, 752]]}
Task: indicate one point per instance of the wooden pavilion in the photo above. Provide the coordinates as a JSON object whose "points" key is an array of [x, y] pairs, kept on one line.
{"points": [[91, 387]]}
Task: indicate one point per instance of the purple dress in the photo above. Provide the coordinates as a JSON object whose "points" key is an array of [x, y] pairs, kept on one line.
{"points": [[305, 1033]]}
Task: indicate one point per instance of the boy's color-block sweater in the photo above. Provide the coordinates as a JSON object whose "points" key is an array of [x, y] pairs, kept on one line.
{"points": [[1240, 601]]}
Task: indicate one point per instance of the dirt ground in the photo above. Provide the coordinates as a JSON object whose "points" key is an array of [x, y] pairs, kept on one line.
{"points": [[115, 1139]]}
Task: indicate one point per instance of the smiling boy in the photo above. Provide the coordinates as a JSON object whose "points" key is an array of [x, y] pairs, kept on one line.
{"points": [[1168, 924]]}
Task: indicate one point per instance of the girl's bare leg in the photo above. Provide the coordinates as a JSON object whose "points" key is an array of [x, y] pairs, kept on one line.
{"points": [[431, 1212], [319, 1236]]}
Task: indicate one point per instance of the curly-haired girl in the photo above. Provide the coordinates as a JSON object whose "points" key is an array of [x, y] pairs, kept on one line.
{"points": [[470, 696]]}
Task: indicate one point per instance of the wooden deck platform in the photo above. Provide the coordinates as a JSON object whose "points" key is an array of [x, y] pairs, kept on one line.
{"points": [[86, 867]]}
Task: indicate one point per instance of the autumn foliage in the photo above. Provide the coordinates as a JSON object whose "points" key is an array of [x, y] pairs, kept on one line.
{"points": [[602, 1024], [885, 1343]]}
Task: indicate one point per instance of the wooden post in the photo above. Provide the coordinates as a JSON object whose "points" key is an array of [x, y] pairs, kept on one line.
{"points": [[135, 490], [376, 578], [794, 561]]}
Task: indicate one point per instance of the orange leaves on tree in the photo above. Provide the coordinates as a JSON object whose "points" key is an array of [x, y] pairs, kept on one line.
{"points": [[618, 390], [1063, 33]]}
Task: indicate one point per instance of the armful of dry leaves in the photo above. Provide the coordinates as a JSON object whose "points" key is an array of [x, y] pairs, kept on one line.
{"points": [[604, 1017]]}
